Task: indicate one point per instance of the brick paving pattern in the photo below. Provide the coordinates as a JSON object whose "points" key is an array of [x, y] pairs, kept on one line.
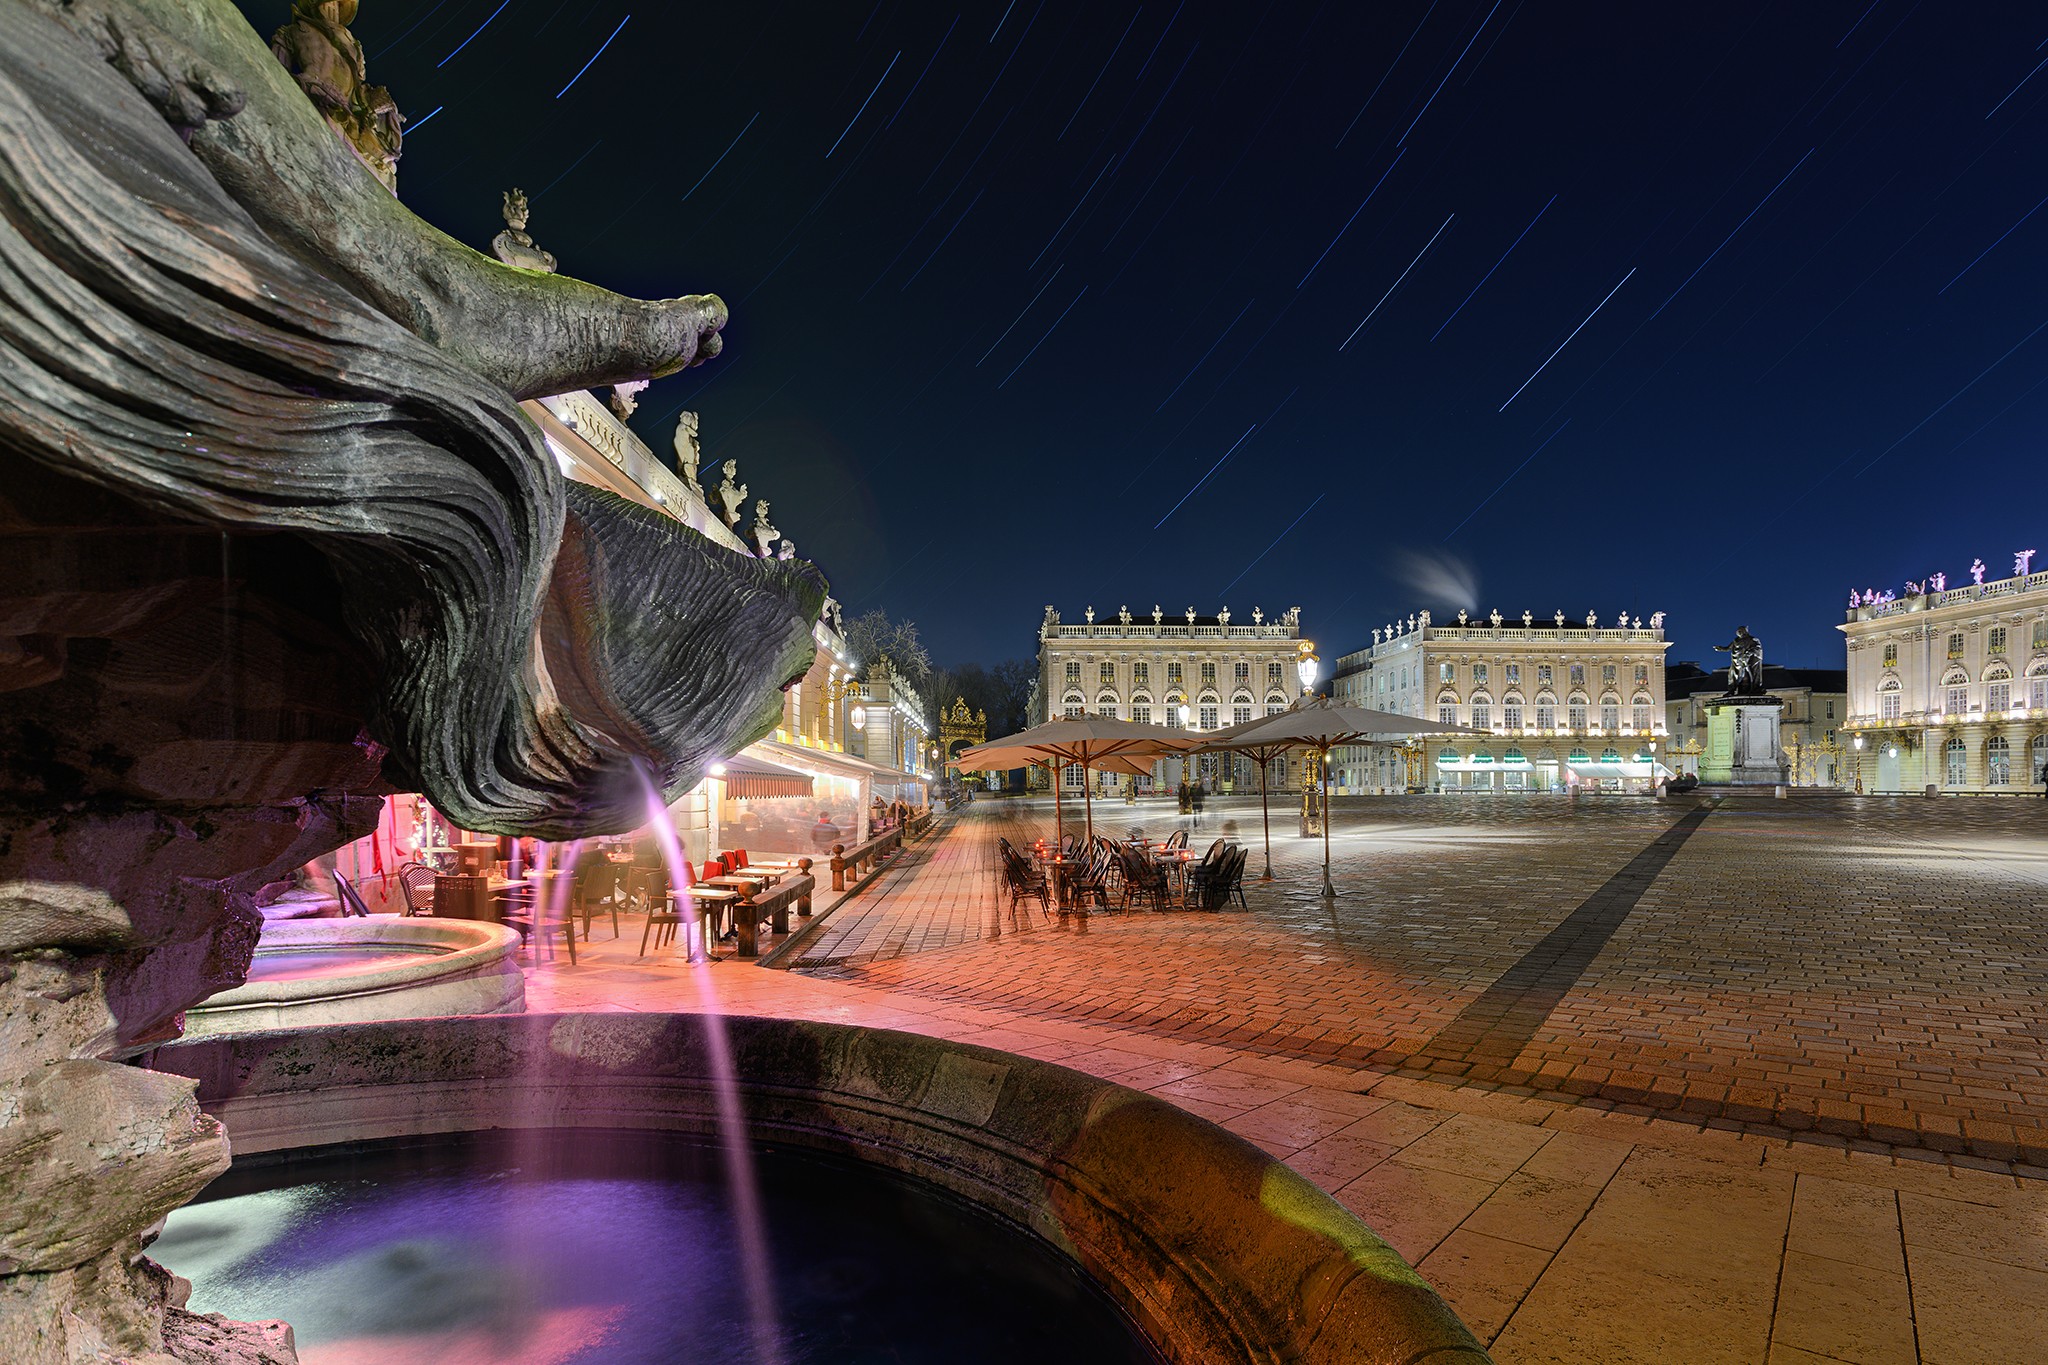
{"points": [[1560, 1232], [1865, 971]]}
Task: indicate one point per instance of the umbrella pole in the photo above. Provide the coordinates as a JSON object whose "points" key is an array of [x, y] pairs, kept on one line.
{"points": [[1088, 800], [1266, 816], [1328, 890], [1059, 823]]}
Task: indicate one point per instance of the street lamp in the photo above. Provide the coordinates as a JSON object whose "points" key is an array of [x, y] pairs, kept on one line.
{"points": [[1187, 783], [1305, 666]]}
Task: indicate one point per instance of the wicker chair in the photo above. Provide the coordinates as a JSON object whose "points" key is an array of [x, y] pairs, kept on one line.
{"points": [[1024, 879], [416, 881], [1208, 880], [1144, 880]]}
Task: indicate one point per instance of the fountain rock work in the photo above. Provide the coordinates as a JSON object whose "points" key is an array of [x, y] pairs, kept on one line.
{"points": [[276, 540]]}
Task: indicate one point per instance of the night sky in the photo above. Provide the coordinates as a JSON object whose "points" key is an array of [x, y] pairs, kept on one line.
{"points": [[1205, 304]]}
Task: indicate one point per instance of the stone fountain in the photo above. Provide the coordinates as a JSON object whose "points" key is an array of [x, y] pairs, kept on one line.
{"points": [[276, 540]]}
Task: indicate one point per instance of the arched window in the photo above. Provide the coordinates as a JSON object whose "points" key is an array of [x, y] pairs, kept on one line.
{"points": [[1482, 756], [1956, 692], [1888, 699], [2039, 762], [1610, 756], [1640, 711], [1511, 711], [1578, 756], [1482, 711], [1575, 711], [1073, 706], [1105, 706], [1998, 688], [1957, 763], [1447, 756], [1512, 756], [2037, 689], [1997, 762], [1546, 712], [1610, 712]]}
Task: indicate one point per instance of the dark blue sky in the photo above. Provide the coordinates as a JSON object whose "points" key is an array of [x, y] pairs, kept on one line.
{"points": [[1007, 280]]}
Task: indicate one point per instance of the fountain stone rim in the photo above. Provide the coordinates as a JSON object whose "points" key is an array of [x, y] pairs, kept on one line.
{"points": [[1215, 1250]]}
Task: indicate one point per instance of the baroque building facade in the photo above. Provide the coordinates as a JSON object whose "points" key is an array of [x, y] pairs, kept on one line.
{"points": [[1948, 687], [1225, 669], [1565, 705]]}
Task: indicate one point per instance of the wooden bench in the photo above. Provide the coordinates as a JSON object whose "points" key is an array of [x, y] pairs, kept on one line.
{"points": [[758, 901]]}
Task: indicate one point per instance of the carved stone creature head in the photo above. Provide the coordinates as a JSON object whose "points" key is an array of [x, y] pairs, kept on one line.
{"points": [[515, 210]]}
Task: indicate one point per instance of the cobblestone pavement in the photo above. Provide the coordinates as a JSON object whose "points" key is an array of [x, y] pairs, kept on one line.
{"points": [[1870, 970], [1559, 1231]]}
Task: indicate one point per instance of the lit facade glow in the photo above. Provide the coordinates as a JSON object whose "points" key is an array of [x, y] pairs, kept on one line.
{"points": [[1180, 670], [1564, 702], [1950, 685]]}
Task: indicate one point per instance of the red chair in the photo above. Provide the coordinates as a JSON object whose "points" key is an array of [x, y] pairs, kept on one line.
{"points": [[740, 856]]}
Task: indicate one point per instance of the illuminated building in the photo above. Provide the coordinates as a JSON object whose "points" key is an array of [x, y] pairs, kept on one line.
{"points": [[1948, 686], [1564, 703], [1224, 669]]}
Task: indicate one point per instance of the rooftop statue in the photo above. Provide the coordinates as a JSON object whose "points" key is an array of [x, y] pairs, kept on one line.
{"points": [[689, 450], [513, 246], [732, 496], [763, 530], [281, 541], [625, 398], [327, 62]]}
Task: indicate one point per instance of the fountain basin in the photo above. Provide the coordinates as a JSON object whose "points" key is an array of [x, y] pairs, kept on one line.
{"points": [[1213, 1249], [343, 971]]}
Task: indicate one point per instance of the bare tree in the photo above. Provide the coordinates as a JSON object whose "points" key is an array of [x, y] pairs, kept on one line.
{"points": [[872, 635]]}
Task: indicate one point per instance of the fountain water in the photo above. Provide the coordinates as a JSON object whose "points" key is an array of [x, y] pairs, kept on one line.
{"points": [[739, 1158]]}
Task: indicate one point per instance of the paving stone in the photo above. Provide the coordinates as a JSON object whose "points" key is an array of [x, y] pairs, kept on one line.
{"points": [[1849, 1311], [1413, 1208], [1482, 1278], [1678, 1260], [1973, 1312]]}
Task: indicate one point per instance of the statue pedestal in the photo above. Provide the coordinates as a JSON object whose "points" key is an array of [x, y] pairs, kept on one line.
{"points": [[1742, 742]]}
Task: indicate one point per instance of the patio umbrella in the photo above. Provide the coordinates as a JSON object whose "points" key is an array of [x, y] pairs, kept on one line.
{"points": [[1319, 725], [1092, 742]]}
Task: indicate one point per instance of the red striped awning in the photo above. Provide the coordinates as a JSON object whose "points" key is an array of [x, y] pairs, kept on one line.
{"points": [[753, 779]]}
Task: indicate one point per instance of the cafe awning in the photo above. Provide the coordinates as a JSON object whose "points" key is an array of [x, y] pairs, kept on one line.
{"points": [[1634, 772], [755, 779]]}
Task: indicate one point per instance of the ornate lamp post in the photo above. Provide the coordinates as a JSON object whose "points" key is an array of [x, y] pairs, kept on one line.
{"points": [[1312, 813], [1187, 763]]}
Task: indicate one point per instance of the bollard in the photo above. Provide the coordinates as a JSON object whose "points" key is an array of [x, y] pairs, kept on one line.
{"points": [[839, 867], [803, 905]]}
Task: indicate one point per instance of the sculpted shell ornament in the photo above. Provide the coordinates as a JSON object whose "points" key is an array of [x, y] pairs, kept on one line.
{"points": [[249, 332]]}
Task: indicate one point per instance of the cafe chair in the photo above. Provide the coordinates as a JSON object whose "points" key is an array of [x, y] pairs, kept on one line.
{"points": [[416, 882], [351, 903]]}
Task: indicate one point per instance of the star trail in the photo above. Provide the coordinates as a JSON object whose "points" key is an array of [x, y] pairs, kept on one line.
{"points": [[1299, 283]]}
